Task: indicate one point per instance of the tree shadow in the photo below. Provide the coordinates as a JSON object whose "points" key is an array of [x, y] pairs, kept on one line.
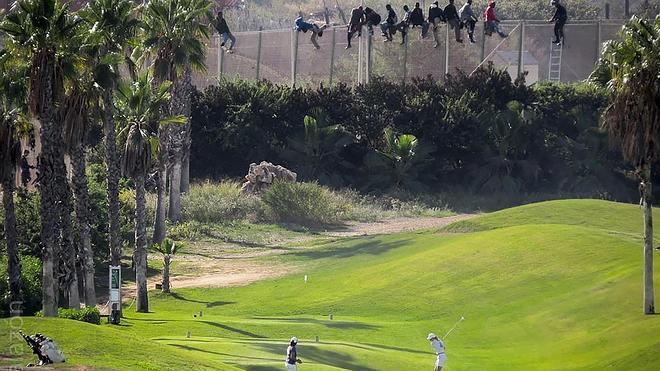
{"points": [[262, 368], [345, 325], [373, 246], [398, 349], [234, 329], [209, 304], [318, 355], [188, 347]]}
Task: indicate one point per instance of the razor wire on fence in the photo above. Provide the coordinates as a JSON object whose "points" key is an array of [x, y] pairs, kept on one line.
{"points": [[288, 57]]}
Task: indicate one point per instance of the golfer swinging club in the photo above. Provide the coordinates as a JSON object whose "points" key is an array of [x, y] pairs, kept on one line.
{"points": [[439, 348]]}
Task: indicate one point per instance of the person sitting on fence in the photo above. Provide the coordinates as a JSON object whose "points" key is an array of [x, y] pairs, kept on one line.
{"points": [[388, 27], [417, 20], [468, 19], [317, 31], [451, 15], [435, 17], [220, 24], [372, 19], [492, 23], [404, 24], [355, 25], [560, 19]]}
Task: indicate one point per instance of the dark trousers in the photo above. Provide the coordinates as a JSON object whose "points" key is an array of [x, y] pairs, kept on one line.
{"points": [[352, 30], [559, 30], [469, 25]]}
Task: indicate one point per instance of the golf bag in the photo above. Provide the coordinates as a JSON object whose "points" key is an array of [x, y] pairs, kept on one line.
{"points": [[46, 350]]}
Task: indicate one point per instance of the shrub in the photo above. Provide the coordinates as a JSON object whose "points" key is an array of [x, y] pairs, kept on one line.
{"points": [[304, 203], [89, 314], [30, 285], [209, 202]]}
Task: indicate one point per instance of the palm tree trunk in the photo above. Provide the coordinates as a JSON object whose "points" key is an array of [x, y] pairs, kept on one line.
{"points": [[68, 255], [180, 105], [14, 263], [161, 185], [185, 168], [112, 163], [175, 188], [647, 195], [82, 215], [142, 301], [166, 273], [50, 138]]}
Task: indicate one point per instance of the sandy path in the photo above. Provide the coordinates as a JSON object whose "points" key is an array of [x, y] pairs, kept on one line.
{"points": [[396, 225]]}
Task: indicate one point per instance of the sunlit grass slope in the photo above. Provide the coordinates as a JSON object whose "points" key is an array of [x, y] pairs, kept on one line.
{"points": [[552, 286]]}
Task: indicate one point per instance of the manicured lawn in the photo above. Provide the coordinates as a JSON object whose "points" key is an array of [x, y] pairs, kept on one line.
{"points": [[554, 285]]}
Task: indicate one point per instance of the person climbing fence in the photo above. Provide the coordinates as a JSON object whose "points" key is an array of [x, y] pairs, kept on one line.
{"points": [[436, 16], [453, 21], [492, 22], [560, 18], [468, 19], [372, 19], [417, 20], [355, 25], [388, 27], [220, 24]]}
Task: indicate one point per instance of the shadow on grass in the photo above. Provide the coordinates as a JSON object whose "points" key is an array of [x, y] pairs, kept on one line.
{"points": [[188, 347], [209, 304], [345, 325], [372, 246], [234, 329], [263, 368], [318, 355]]}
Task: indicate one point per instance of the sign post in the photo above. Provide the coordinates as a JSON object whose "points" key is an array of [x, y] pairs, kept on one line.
{"points": [[115, 294]]}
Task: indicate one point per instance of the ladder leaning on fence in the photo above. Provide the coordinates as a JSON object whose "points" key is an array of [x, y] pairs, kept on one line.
{"points": [[554, 73]]}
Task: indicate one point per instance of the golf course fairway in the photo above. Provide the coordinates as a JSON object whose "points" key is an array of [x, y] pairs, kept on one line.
{"points": [[549, 286]]}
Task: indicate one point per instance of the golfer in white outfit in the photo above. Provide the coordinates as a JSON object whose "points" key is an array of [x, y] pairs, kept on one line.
{"points": [[292, 355], [439, 348]]}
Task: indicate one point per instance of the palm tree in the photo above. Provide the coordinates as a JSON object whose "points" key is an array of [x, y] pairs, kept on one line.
{"points": [[138, 108], [74, 113], [175, 35], [113, 23], [38, 29], [12, 123], [400, 162], [168, 248], [629, 68]]}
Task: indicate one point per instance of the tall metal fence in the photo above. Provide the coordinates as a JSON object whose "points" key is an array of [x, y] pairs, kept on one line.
{"points": [[285, 56]]}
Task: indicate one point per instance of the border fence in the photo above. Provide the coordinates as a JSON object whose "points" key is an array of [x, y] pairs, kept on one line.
{"points": [[288, 57]]}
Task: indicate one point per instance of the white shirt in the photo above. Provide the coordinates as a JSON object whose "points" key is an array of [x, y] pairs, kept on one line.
{"points": [[438, 346]]}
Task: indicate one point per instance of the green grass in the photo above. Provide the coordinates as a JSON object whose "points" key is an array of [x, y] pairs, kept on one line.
{"points": [[554, 285]]}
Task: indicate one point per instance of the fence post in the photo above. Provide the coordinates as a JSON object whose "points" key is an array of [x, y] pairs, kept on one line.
{"points": [[626, 8], [221, 61], [259, 53], [405, 59], [607, 10], [368, 67], [360, 60], [446, 49], [332, 54], [521, 62], [294, 56], [599, 38], [483, 43]]}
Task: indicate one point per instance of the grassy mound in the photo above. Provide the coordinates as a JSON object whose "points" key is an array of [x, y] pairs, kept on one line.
{"points": [[554, 285]]}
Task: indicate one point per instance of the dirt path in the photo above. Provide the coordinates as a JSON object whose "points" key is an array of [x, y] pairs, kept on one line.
{"points": [[396, 225], [225, 269]]}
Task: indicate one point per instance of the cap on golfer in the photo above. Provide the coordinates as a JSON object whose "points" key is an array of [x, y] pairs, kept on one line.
{"points": [[294, 340], [431, 336]]}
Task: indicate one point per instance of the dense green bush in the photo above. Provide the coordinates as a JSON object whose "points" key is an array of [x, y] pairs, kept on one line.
{"points": [[482, 133], [217, 202], [30, 285], [89, 314], [304, 203]]}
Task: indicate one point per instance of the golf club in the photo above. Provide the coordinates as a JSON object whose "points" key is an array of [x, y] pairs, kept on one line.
{"points": [[452, 329]]}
